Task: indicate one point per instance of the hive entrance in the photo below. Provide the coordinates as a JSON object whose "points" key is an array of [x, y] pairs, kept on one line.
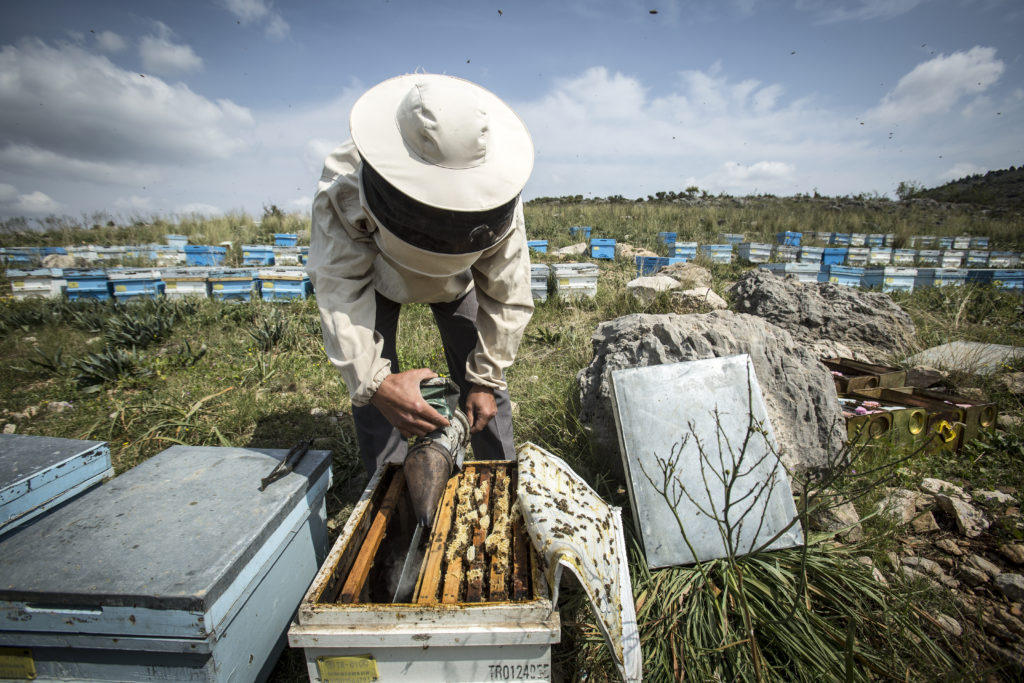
{"points": [[476, 551]]}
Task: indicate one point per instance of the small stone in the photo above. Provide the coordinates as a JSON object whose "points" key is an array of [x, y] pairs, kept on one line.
{"points": [[925, 501], [972, 577], [969, 521], [10, 428], [931, 568], [93, 340], [1008, 422], [1017, 610], [29, 340], [59, 406], [1014, 552], [979, 562], [949, 625], [914, 575], [900, 505], [924, 523], [995, 497], [1011, 586], [1013, 382], [937, 486], [948, 545], [318, 412], [841, 518], [923, 376]]}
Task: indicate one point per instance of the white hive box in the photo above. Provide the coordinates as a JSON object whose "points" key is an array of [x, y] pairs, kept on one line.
{"points": [[179, 569], [47, 283], [40, 472], [575, 280], [453, 627], [539, 281]]}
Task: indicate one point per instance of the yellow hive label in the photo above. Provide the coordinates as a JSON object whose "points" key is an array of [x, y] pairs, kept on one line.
{"points": [[267, 284], [72, 285], [120, 288], [218, 286], [172, 285], [563, 282], [17, 663], [18, 283], [358, 669]]}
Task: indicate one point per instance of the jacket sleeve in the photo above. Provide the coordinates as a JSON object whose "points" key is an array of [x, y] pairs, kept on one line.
{"points": [[502, 279], [340, 266]]}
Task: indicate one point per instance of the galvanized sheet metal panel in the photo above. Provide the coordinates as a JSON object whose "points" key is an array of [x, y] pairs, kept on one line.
{"points": [[668, 413]]}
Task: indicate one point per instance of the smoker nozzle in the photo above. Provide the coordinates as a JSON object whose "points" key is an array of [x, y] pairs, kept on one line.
{"points": [[432, 459]]}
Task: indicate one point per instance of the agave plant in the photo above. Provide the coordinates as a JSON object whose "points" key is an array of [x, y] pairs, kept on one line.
{"points": [[108, 366]]}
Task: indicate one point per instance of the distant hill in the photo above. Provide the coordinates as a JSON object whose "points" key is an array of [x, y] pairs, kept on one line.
{"points": [[1003, 189]]}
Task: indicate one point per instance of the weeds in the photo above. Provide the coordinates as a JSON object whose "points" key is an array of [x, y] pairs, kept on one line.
{"points": [[269, 331], [107, 367]]}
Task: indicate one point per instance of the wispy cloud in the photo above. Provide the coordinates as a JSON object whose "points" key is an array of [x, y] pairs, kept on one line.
{"points": [[163, 57], [260, 12], [13, 202], [108, 41], [833, 11], [939, 84]]}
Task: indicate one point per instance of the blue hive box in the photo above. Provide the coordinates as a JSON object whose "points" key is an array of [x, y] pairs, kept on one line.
{"points": [[788, 238], [833, 256], [202, 255], [602, 248], [133, 283], [848, 276], [685, 250], [86, 284], [232, 284], [580, 231], [257, 255], [284, 283], [539, 246], [183, 568], [38, 473], [666, 237], [285, 239]]}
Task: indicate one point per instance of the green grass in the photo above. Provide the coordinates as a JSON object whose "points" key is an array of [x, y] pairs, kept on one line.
{"points": [[255, 375]]}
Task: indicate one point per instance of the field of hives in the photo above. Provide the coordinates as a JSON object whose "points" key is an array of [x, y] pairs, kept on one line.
{"points": [[145, 376]]}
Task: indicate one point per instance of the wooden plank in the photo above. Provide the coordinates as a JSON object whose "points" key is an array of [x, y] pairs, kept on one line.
{"points": [[520, 562], [348, 556], [450, 594], [475, 575], [352, 590], [498, 583], [430, 578]]}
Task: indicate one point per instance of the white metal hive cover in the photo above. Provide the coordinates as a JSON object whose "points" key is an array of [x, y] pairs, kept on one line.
{"points": [[701, 461], [570, 526]]}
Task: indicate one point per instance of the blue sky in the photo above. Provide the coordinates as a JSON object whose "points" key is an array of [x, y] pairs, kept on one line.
{"points": [[167, 108]]}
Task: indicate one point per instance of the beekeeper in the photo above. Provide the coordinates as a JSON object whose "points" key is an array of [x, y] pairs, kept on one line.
{"points": [[422, 205]]}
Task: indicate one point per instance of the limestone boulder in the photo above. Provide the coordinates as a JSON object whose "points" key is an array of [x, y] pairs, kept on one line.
{"points": [[867, 322], [798, 390], [690, 275], [648, 287], [700, 298]]}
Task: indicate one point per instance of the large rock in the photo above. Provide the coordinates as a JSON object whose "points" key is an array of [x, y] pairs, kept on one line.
{"points": [[867, 322], [700, 297], [798, 390], [690, 275], [648, 287]]}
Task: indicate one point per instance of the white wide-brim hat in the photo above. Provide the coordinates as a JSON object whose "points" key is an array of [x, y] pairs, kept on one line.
{"points": [[443, 141]]}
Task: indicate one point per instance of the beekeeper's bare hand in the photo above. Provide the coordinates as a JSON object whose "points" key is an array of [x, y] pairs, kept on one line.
{"points": [[480, 407], [399, 400]]}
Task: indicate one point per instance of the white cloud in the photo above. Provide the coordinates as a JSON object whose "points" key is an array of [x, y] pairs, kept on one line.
{"points": [[962, 170], [36, 203], [761, 172], [937, 85], [135, 204], [43, 162], [108, 41], [163, 57], [79, 105], [198, 208], [260, 11]]}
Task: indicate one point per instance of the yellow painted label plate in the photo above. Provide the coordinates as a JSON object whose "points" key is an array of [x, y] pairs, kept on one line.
{"points": [[17, 663], [172, 285], [267, 284], [18, 283], [120, 288], [73, 285], [357, 669], [563, 282], [218, 286]]}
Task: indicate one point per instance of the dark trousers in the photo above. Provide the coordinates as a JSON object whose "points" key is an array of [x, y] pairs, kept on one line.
{"points": [[379, 441]]}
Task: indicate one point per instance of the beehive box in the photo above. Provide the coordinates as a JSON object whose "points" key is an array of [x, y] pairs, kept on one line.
{"points": [[875, 240], [479, 610], [1003, 259], [718, 253], [880, 256], [804, 272], [283, 283], [785, 254], [38, 473], [602, 248], [869, 420], [287, 256], [940, 277], [732, 238], [904, 257], [952, 258], [539, 274], [849, 276], [232, 284], [176, 240], [788, 238], [890, 279], [47, 283], [849, 374], [684, 250], [979, 242], [976, 258], [929, 257], [285, 239], [86, 284], [183, 282], [133, 283], [811, 254], [539, 246], [923, 241], [754, 252], [858, 239], [857, 256], [667, 237], [179, 569], [204, 255], [962, 242], [257, 255], [574, 280], [840, 239], [833, 256]]}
